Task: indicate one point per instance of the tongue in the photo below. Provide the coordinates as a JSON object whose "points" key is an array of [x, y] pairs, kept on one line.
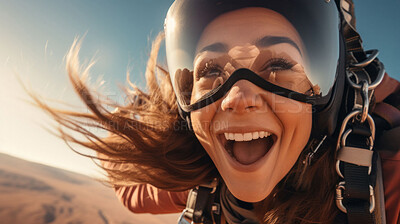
{"points": [[249, 152]]}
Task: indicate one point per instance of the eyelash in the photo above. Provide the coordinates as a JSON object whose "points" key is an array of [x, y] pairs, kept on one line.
{"points": [[208, 67], [274, 64], [278, 64]]}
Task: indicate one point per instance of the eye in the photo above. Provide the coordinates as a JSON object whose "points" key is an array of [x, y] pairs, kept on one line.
{"points": [[209, 71], [213, 72], [278, 64]]}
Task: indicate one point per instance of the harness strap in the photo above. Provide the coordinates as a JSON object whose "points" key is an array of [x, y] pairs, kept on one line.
{"points": [[380, 194], [359, 175], [389, 113], [389, 140], [201, 207], [358, 187], [387, 87], [357, 156]]}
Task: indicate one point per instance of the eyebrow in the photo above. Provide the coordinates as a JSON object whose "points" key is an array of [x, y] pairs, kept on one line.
{"points": [[266, 41], [272, 40], [217, 47]]}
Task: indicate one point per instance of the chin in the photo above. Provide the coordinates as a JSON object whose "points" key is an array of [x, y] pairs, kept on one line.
{"points": [[249, 192]]}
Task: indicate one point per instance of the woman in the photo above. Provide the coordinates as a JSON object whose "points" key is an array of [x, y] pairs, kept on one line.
{"points": [[261, 110]]}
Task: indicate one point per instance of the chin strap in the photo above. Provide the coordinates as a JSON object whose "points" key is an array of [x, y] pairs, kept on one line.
{"points": [[356, 160]]}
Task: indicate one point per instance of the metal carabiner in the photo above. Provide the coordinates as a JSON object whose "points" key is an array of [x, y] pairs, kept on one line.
{"points": [[182, 219], [365, 107], [371, 86], [372, 54], [339, 197], [347, 119], [343, 143], [343, 136]]}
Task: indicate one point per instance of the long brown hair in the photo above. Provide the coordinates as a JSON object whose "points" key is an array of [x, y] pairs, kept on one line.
{"points": [[147, 141], [150, 143]]}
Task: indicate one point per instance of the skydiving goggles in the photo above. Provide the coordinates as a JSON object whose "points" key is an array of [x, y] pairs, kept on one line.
{"points": [[292, 51]]}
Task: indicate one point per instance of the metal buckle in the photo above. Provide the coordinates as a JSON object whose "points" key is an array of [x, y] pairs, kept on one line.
{"points": [[187, 215], [354, 113], [311, 154], [364, 91], [213, 185], [371, 146], [339, 197], [362, 87], [371, 86], [343, 137], [372, 54], [182, 219]]}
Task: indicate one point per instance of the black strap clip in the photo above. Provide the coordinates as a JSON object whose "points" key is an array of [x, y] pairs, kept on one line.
{"points": [[200, 204]]}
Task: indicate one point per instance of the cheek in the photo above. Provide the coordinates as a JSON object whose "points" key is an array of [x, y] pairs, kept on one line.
{"points": [[296, 120], [297, 117], [201, 126], [202, 119], [201, 123], [289, 109]]}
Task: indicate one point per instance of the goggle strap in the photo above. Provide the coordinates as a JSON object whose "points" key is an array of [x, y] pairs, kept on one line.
{"points": [[246, 74]]}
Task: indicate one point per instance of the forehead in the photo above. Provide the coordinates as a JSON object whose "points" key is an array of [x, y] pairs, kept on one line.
{"points": [[246, 26]]}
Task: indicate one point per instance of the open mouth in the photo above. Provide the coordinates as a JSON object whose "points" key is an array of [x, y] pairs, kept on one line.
{"points": [[248, 148]]}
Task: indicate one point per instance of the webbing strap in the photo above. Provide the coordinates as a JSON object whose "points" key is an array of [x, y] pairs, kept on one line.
{"points": [[202, 205], [390, 140], [359, 186], [389, 113], [380, 194], [357, 178], [356, 213], [200, 214], [355, 156]]}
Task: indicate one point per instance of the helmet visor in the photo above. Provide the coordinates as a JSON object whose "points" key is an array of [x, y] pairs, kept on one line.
{"points": [[291, 44]]}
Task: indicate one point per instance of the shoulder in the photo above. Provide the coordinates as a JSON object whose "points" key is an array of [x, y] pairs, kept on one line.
{"points": [[391, 182], [387, 110]]}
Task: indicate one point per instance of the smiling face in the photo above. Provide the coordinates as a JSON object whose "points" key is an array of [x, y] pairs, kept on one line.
{"points": [[253, 136]]}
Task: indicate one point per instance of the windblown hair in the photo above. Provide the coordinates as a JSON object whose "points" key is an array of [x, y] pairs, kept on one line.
{"points": [[148, 142]]}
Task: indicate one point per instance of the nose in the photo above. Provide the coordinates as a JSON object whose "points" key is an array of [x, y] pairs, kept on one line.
{"points": [[243, 97]]}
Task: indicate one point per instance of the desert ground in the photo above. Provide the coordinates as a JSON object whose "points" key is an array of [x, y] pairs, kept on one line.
{"points": [[32, 193]]}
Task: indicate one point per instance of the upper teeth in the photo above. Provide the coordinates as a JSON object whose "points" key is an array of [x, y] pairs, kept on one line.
{"points": [[246, 136]]}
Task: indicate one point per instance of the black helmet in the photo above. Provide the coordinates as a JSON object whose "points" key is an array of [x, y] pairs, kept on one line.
{"points": [[318, 23]]}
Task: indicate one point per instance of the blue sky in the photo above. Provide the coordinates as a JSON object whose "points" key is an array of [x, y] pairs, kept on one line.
{"points": [[35, 36]]}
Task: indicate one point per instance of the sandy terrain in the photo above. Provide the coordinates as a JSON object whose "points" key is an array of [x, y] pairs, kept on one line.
{"points": [[32, 193]]}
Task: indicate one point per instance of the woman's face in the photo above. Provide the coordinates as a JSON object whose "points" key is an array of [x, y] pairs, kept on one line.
{"points": [[253, 136]]}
